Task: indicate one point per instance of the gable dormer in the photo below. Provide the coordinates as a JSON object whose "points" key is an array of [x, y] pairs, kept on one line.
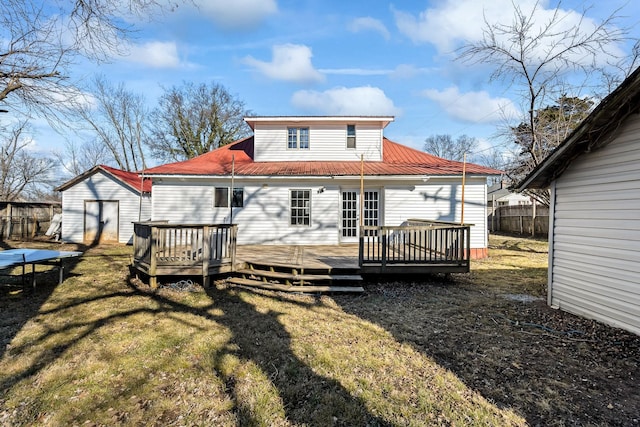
{"points": [[317, 138]]}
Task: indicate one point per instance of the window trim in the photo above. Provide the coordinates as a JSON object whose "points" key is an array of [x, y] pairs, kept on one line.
{"points": [[297, 143], [351, 136], [228, 198], [217, 200], [303, 209]]}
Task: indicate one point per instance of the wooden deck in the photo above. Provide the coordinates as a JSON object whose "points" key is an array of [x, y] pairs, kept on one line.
{"points": [[415, 247], [308, 257], [162, 249]]}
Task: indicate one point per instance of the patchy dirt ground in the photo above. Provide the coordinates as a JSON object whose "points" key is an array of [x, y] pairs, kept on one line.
{"points": [[554, 368]]}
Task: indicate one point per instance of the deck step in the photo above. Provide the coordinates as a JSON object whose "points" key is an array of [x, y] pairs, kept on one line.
{"points": [[287, 268], [286, 276], [293, 277], [291, 288]]}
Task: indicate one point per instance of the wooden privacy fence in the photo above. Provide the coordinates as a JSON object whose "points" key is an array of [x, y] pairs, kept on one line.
{"points": [[26, 220], [163, 249], [417, 246], [530, 220]]}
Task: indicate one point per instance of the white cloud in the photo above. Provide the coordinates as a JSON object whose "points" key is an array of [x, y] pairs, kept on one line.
{"points": [[355, 71], [342, 101], [454, 22], [237, 14], [290, 62], [155, 54], [402, 71], [474, 107], [368, 23], [407, 71]]}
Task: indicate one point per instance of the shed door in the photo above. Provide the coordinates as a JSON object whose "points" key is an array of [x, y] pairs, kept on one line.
{"points": [[101, 220]]}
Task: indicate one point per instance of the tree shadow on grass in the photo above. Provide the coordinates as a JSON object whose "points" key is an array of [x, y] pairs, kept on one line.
{"points": [[301, 396], [307, 397], [20, 301], [552, 367]]}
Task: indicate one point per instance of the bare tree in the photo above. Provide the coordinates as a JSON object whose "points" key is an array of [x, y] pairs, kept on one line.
{"points": [[40, 40], [21, 171], [537, 57], [616, 71], [117, 117], [194, 119], [80, 157], [445, 146]]}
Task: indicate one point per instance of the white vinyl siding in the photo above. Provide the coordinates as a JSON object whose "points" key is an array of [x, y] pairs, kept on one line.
{"points": [[265, 216], [327, 141], [440, 199], [101, 186], [188, 202], [595, 262]]}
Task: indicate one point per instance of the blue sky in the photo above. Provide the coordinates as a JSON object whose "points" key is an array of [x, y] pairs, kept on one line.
{"points": [[315, 57]]}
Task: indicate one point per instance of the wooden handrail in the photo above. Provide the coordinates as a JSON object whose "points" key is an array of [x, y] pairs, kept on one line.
{"points": [[433, 242], [183, 244]]}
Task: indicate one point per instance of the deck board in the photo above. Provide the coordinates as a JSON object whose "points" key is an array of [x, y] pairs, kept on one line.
{"points": [[292, 288], [309, 257]]}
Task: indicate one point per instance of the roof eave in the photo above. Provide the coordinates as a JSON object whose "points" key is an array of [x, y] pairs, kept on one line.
{"points": [[252, 120], [602, 121], [73, 181], [316, 177]]}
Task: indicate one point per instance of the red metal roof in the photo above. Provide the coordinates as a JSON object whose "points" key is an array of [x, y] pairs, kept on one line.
{"points": [[397, 160], [131, 179]]}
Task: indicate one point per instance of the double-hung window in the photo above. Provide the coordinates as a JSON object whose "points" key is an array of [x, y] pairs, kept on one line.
{"points": [[300, 207], [298, 138], [351, 136]]}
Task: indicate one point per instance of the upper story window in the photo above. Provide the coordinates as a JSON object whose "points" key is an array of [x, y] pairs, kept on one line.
{"points": [[298, 138], [351, 136]]}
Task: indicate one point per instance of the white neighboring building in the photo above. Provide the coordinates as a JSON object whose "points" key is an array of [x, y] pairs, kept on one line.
{"points": [[297, 181], [594, 214], [100, 206], [498, 195]]}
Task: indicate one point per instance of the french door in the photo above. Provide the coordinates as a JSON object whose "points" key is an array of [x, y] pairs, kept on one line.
{"points": [[350, 212]]}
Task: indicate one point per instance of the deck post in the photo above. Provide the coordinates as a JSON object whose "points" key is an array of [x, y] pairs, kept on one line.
{"points": [[467, 232], [153, 262], [383, 234], [232, 245], [206, 255]]}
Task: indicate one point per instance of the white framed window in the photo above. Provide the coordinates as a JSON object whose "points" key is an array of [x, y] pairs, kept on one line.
{"points": [[300, 207], [351, 136], [298, 138], [221, 197]]}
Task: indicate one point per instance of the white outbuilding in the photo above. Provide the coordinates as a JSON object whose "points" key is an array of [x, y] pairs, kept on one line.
{"points": [[100, 205]]}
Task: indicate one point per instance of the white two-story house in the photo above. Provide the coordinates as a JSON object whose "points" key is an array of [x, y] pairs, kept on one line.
{"points": [[298, 180]]}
